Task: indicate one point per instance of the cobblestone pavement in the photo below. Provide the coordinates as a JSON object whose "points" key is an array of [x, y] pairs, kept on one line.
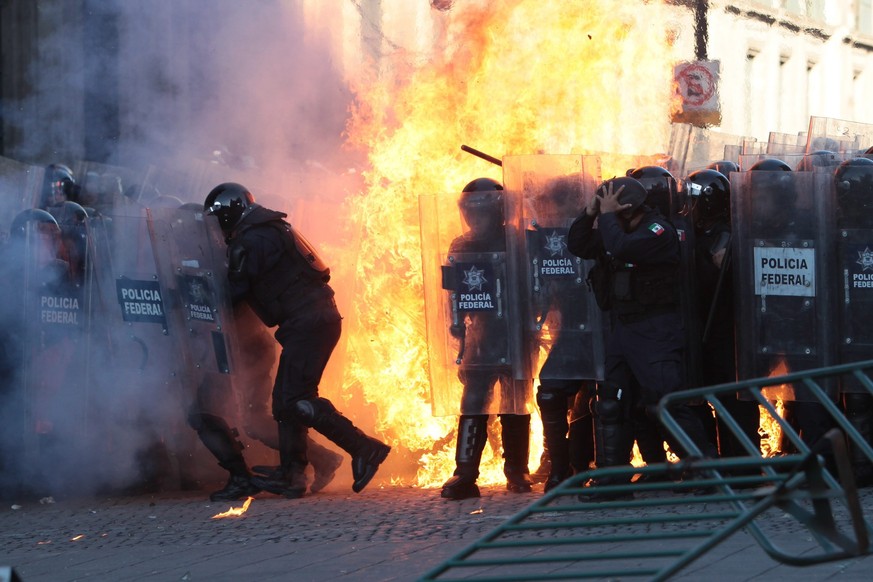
{"points": [[388, 533]]}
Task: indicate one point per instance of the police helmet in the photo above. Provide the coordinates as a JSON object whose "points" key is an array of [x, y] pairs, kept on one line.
{"points": [[724, 167], [229, 202], [634, 193], [660, 186], [818, 161], [36, 216], [482, 194], [59, 185], [853, 180], [770, 165], [710, 192]]}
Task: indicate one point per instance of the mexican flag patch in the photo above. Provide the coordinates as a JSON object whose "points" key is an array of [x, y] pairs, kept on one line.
{"points": [[656, 228]]}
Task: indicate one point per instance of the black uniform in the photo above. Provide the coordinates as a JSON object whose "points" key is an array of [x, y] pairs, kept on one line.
{"points": [[210, 410], [718, 360], [647, 340], [284, 282]]}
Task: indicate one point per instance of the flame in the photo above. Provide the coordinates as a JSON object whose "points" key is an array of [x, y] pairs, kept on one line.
{"points": [[235, 511], [770, 431], [512, 77]]}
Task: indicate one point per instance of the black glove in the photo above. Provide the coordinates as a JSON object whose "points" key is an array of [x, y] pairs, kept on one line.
{"points": [[458, 331]]}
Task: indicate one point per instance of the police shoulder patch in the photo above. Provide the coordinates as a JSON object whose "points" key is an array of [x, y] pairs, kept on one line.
{"points": [[656, 228]]}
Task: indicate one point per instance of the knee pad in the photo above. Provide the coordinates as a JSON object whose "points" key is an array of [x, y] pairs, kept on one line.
{"points": [[205, 421], [310, 411], [608, 411], [551, 403]]}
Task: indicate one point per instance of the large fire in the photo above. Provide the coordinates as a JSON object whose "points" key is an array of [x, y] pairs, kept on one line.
{"points": [[507, 77]]}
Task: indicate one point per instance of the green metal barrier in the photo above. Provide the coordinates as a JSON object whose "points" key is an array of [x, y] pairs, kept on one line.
{"points": [[675, 513]]}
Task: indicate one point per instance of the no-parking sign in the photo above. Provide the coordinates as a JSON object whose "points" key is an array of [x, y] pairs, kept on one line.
{"points": [[695, 93]]}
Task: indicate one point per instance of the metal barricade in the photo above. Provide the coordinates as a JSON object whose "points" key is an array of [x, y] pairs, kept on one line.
{"points": [[674, 513]]}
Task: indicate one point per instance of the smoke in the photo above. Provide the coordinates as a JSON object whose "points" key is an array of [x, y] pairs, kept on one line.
{"points": [[169, 97]]}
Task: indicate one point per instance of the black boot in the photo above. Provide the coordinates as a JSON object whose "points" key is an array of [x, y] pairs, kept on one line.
{"points": [[324, 463], [581, 434], [468, 453], [221, 440], [613, 445], [367, 453], [516, 450], [290, 481], [238, 486], [553, 408]]}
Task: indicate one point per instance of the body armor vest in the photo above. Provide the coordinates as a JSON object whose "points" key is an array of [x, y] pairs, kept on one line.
{"points": [[299, 278]]}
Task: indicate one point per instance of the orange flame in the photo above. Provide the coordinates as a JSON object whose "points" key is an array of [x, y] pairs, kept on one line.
{"points": [[770, 431], [235, 511], [512, 77]]}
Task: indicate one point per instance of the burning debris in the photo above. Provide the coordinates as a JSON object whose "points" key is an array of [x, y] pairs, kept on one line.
{"points": [[235, 511]]}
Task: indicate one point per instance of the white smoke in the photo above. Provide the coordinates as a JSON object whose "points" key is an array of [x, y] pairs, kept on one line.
{"points": [[177, 95]]}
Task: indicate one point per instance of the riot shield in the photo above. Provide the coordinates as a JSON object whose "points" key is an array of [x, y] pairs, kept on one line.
{"points": [[476, 347], [839, 136], [143, 385], [693, 148], [43, 332], [107, 189], [853, 272], [780, 144], [781, 254], [560, 308], [189, 253], [190, 257]]}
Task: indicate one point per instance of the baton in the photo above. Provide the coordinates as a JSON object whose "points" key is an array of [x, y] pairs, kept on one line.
{"points": [[725, 265], [483, 155]]}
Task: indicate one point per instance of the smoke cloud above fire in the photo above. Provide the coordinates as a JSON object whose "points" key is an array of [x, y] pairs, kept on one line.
{"points": [[342, 123]]}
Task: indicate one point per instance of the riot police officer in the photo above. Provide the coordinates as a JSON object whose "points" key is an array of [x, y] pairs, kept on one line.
{"points": [[564, 305], [709, 194], [645, 348], [208, 416], [279, 274], [485, 342], [59, 186]]}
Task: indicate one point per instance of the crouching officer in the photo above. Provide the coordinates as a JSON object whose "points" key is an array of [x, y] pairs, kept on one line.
{"points": [[644, 353], [278, 273]]}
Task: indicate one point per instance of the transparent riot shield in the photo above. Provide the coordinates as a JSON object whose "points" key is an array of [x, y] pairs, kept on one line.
{"points": [[43, 332], [780, 144], [693, 148], [19, 190], [143, 384], [190, 257], [781, 261], [560, 309], [107, 189], [479, 357], [839, 136]]}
